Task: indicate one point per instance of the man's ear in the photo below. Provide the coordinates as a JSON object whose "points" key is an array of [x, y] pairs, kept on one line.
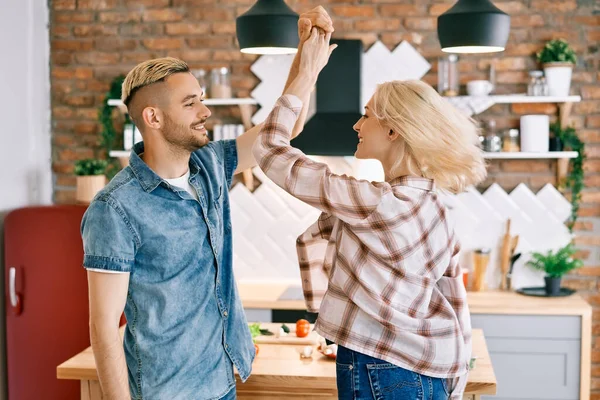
{"points": [[152, 117]]}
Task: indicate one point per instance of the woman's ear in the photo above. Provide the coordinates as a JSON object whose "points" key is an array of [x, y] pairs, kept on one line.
{"points": [[392, 135]]}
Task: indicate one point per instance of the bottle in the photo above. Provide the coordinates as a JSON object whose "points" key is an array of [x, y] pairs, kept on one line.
{"points": [[128, 129], [200, 75], [533, 88], [448, 78], [510, 142], [220, 86], [492, 142]]}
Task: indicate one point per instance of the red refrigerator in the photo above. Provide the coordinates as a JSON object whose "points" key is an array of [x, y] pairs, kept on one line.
{"points": [[46, 300]]}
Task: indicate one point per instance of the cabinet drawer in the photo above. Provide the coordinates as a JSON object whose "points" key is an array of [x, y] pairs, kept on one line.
{"points": [[528, 326], [535, 369]]}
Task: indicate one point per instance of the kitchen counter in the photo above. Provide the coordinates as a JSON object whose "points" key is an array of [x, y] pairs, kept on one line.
{"points": [[278, 372], [267, 296]]}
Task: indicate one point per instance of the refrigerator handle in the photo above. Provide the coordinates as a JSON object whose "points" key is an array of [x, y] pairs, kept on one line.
{"points": [[15, 298]]}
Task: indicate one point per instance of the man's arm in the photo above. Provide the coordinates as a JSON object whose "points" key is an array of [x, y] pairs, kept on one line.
{"points": [[107, 296], [317, 17]]}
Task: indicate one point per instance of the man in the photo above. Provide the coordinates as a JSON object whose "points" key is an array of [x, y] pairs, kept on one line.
{"points": [[157, 244]]}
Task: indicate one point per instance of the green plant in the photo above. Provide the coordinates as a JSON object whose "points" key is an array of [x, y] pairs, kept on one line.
{"points": [[555, 264], [557, 50], [574, 180], [90, 166], [108, 133]]}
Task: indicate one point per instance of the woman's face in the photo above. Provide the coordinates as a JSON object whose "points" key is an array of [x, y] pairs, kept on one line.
{"points": [[373, 136]]}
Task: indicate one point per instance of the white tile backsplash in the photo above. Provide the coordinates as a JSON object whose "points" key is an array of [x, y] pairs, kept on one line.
{"points": [[267, 222]]}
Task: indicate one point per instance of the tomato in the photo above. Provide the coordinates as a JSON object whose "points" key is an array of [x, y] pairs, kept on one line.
{"points": [[302, 328]]}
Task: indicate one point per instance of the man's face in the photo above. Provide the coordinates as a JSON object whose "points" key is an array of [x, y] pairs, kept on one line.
{"points": [[185, 114]]}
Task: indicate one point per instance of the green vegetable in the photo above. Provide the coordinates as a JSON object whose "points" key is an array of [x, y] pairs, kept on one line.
{"points": [[255, 330], [266, 332], [285, 328]]}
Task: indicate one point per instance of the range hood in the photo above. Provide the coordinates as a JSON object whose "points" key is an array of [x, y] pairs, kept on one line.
{"points": [[329, 131]]}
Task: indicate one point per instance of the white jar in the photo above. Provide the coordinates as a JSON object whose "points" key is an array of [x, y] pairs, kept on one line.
{"points": [[535, 133]]}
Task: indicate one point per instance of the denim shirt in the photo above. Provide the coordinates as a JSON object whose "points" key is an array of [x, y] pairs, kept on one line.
{"points": [[186, 328]]}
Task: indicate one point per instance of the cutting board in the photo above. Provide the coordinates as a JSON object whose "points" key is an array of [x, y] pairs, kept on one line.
{"points": [[313, 337]]}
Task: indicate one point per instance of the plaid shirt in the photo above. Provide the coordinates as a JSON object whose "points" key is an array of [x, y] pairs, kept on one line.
{"points": [[380, 265]]}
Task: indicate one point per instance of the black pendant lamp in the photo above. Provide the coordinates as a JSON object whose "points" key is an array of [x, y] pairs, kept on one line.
{"points": [[269, 27], [473, 26]]}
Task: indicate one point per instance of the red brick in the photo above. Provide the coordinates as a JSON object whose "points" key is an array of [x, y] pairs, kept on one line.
{"points": [[368, 25], [80, 100], [66, 180], [587, 240], [147, 3], [420, 23], [164, 15], [525, 166], [504, 63], [196, 3], [62, 167], [64, 139], [143, 30], [518, 36], [536, 182], [69, 73], [554, 6], [511, 7], [243, 82], [63, 196], [367, 38], [198, 55], [120, 17], [116, 44], [587, 20], [86, 113], [61, 58], [534, 108], [63, 4], [60, 31], [227, 55], [582, 76], [184, 28], [592, 36], [137, 57], [584, 226], [62, 112], [86, 128], [98, 58], [438, 9], [70, 154], [392, 39], [544, 35], [589, 211], [512, 77], [210, 42], [590, 92], [163, 43], [96, 4], [521, 49], [71, 45], [589, 135], [94, 30], [68, 17], [579, 284], [592, 151], [593, 121], [210, 14], [582, 255], [527, 21], [399, 10], [353, 11], [590, 197], [223, 27]]}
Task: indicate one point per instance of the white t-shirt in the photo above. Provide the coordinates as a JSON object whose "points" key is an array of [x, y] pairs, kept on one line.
{"points": [[183, 182]]}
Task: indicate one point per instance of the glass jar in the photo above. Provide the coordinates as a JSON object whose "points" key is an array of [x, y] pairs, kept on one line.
{"points": [[448, 78], [543, 86], [492, 142], [510, 142], [534, 87], [200, 75], [220, 84]]}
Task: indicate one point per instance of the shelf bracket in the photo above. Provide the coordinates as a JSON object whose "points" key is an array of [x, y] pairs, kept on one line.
{"points": [[565, 113], [562, 165]]}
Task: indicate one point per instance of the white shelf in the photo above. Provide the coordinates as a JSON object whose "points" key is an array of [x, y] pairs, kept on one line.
{"points": [[208, 102], [522, 98], [525, 156], [119, 153]]}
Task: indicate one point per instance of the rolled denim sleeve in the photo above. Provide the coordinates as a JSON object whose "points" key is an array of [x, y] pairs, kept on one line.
{"points": [[109, 241], [226, 151]]}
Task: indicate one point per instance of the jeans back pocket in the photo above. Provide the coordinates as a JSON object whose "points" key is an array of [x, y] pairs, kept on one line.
{"points": [[390, 382]]}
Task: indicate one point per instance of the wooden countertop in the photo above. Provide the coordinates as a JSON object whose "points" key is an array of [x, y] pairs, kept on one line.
{"points": [[280, 366], [266, 295]]}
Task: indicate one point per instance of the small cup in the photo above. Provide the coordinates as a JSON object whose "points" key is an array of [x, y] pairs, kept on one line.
{"points": [[479, 88]]}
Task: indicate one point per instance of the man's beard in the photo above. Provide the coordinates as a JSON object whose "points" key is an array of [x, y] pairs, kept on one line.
{"points": [[183, 137]]}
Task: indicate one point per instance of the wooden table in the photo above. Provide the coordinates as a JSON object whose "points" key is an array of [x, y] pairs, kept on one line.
{"points": [[278, 372]]}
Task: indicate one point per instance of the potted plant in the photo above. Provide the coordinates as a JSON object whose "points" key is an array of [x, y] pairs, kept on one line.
{"points": [[90, 178], [555, 264], [558, 59]]}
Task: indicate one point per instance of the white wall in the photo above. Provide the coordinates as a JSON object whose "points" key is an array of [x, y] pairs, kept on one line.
{"points": [[25, 155]]}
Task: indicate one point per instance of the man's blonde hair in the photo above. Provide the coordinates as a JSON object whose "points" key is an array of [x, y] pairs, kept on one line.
{"points": [[438, 142], [149, 72]]}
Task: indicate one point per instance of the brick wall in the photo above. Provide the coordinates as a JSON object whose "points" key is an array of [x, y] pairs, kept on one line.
{"points": [[93, 41]]}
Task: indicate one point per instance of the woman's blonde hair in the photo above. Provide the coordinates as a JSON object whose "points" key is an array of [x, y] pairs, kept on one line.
{"points": [[437, 141], [149, 72]]}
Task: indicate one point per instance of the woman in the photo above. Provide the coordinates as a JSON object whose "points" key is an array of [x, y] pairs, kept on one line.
{"points": [[381, 263]]}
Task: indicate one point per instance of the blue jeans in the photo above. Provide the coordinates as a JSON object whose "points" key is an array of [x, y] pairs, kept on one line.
{"points": [[361, 377]]}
